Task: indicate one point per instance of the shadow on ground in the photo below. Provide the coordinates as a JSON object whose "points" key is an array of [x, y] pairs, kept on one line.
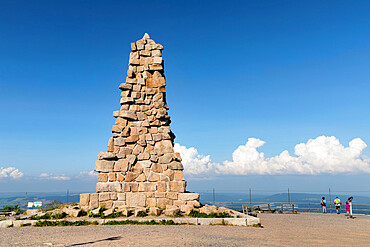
{"points": [[97, 241]]}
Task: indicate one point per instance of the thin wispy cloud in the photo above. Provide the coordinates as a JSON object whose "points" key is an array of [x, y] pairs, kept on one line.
{"points": [[323, 155], [50, 176], [92, 174], [11, 172]]}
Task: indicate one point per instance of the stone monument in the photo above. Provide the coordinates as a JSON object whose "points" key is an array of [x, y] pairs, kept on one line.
{"points": [[140, 168]]}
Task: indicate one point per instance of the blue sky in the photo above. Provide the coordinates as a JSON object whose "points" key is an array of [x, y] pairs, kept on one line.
{"points": [[281, 71]]}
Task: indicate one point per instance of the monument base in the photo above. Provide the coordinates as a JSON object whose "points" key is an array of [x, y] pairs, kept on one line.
{"points": [[133, 200]]}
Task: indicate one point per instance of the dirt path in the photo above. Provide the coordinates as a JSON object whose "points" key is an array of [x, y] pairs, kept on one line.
{"points": [[279, 230]]}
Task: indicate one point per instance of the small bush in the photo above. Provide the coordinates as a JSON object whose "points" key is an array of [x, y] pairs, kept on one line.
{"points": [[178, 214], [82, 213], [26, 224], [141, 214]]}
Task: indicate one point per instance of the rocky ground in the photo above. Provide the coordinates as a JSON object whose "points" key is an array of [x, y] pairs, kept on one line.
{"points": [[278, 230]]}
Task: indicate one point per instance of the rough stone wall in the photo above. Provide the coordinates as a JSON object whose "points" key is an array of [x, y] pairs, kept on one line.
{"points": [[140, 167]]}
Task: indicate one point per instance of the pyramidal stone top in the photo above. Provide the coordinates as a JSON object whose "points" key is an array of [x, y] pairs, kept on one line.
{"points": [[140, 167]]}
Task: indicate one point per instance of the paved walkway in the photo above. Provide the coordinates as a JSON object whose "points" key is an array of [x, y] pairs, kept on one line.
{"points": [[279, 230]]}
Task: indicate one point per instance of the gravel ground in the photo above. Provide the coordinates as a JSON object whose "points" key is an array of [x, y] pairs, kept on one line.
{"points": [[278, 230]]}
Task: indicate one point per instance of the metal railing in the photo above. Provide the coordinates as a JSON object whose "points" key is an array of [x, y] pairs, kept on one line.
{"points": [[307, 201]]}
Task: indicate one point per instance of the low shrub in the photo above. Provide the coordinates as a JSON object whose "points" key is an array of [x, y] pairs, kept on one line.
{"points": [[57, 216], [197, 214], [101, 215], [65, 223], [46, 216], [135, 222], [113, 215]]}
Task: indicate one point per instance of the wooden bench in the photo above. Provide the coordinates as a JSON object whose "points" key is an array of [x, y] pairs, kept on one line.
{"points": [[288, 208], [263, 208]]}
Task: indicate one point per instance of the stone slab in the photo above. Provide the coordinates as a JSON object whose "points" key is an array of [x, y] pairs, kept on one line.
{"points": [[6, 223]]}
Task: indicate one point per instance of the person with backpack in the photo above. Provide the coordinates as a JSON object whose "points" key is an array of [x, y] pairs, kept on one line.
{"points": [[337, 203], [323, 204]]}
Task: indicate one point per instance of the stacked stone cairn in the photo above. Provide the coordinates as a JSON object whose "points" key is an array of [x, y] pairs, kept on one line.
{"points": [[140, 168]]}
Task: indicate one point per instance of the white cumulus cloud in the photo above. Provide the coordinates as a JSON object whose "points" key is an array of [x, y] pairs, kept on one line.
{"points": [[10, 172], [321, 155], [193, 162], [54, 177]]}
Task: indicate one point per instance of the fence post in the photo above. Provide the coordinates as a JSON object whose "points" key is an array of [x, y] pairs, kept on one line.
{"points": [[214, 196], [288, 196], [67, 194], [329, 201], [250, 198]]}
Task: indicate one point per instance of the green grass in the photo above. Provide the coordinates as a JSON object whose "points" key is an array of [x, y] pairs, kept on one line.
{"points": [[54, 205], [178, 214], [135, 222], [196, 214], [26, 224], [65, 223], [12, 208]]}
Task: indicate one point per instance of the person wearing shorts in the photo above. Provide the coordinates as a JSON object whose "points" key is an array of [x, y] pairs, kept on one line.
{"points": [[337, 203], [323, 204]]}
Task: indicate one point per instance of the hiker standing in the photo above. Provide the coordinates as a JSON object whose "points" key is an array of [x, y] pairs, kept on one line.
{"points": [[347, 207], [323, 204], [337, 203]]}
